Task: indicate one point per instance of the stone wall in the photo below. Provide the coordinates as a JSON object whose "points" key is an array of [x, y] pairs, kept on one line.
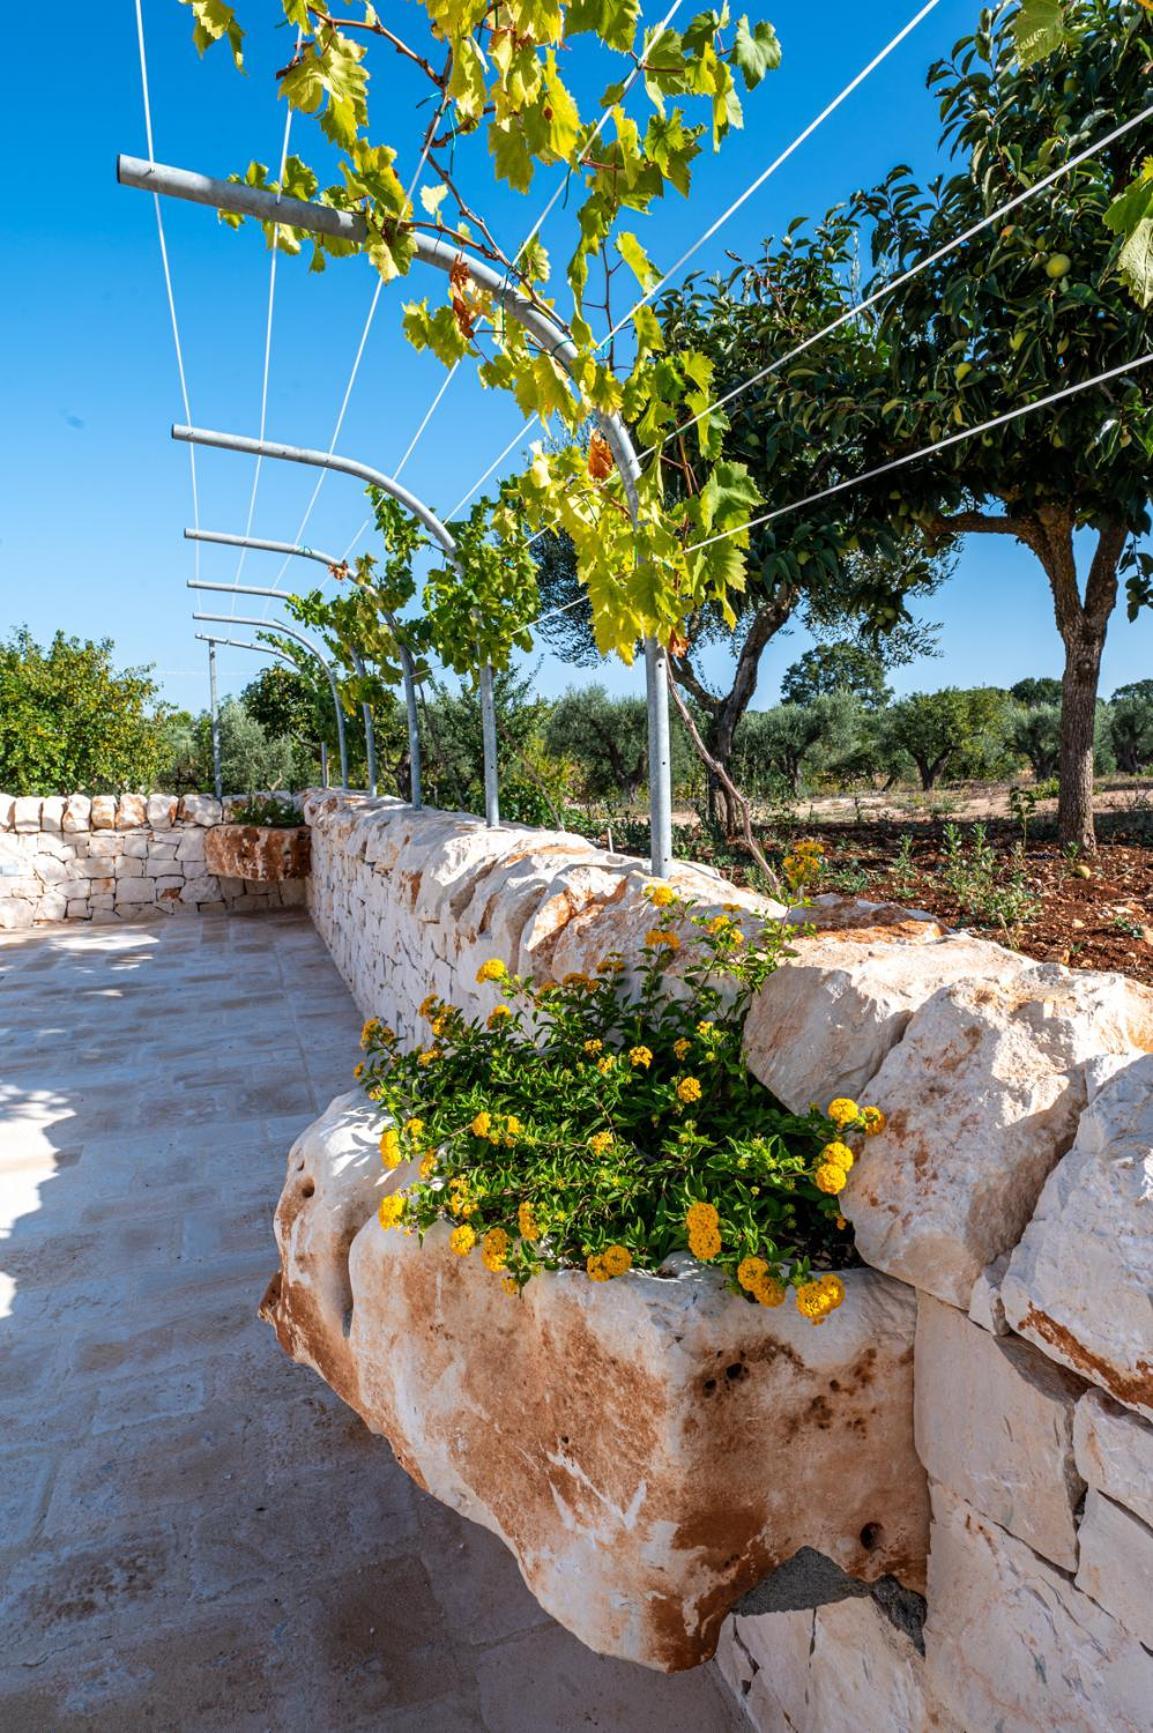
{"points": [[109, 858], [1012, 1196]]}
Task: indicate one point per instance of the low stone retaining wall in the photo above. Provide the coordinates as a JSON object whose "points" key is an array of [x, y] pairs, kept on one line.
{"points": [[110, 858], [1011, 1198]]}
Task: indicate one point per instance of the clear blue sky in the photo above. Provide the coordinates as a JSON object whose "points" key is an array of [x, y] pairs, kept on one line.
{"points": [[95, 495]]}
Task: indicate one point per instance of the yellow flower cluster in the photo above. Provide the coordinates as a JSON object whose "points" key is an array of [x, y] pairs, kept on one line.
{"points": [[370, 1031], [874, 1121], [429, 1056], [391, 1211], [428, 1166], [592, 1048], [816, 1299], [601, 1142], [805, 864], [641, 1057], [413, 1127], [844, 1111], [482, 1124], [835, 1161], [663, 936], [459, 1201], [660, 895], [704, 1227], [527, 1223], [462, 1240], [605, 1065], [494, 1249], [613, 1261], [688, 1090], [497, 1015], [683, 1047], [755, 1277], [493, 970], [390, 1147], [358, 1072]]}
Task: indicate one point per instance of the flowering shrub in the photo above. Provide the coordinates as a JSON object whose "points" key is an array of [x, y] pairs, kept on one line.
{"points": [[606, 1123]]}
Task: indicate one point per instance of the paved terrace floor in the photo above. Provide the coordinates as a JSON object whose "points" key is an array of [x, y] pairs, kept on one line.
{"points": [[194, 1533]]}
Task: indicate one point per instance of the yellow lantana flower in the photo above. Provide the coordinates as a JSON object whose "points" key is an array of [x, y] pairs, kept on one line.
{"points": [[482, 1124], [660, 895], [390, 1146], [513, 1126], [705, 1244], [428, 1005], [493, 970], [617, 1260], [497, 1015], [682, 1047], [831, 1179], [641, 1057], [358, 1072], [593, 1047], [510, 1285], [429, 1056], [368, 1033], [391, 1209], [769, 1292], [494, 1249], [750, 1271], [428, 1166], [718, 924], [663, 936], [688, 1090], [843, 1111], [414, 1127], [605, 1065], [701, 1216], [462, 1240], [596, 1269], [839, 1154], [601, 1142], [527, 1223], [874, 1121]]}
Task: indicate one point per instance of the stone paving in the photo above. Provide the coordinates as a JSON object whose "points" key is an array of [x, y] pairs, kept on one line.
{"points": [[194, 1533]]}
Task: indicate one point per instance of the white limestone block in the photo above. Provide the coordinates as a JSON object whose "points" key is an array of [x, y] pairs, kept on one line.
{"points": [[77, 813], [131, 812], [1011, 1643], [1117, 1564], [200, 890], [983, 1096], [102, 813], [1081, 1280], [106, 845], [986, 1306], [129, 867], [1114, 1452], [994, 1424], [52, 907], [52, 812], [77, 909], [50, 869], [26, 813], [823, 1023], [162, 867], [134, 891], [160, 810], [136, 846], [200, 809], [190, 848], [7, 804], [15, 914]]}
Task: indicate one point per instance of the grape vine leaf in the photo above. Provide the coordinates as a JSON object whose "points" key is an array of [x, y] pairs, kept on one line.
{"points": [[1039, 29], [756, 51]]}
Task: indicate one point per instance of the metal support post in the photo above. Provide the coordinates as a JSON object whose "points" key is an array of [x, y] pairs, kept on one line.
{"points": [[488, 736], [297, 638], [660, 757], [323, 765], [214, 711], [369, 731], [408, 675]]}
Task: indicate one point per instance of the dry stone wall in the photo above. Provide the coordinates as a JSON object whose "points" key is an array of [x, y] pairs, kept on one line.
{"points": [[110, 858], [1009, 1200]]}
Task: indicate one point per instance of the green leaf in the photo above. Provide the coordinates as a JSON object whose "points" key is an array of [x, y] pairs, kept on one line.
{"points": [[756, 51], [1135, 263], [216, 22], [466, 84], [432, 198], [1039, 30], [637, 259], [650, 337], [511, 157], [392, 252], [437, 331], [614, 21]]}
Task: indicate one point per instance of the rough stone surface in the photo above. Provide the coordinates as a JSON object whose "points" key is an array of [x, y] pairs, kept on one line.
{"points": [[824, 1023], [1114, 1452], [26, 813], [1117, 1564], [202, 809], [1079, 1283], [7, 803], [102, 813], [194, 1533], [161, 811], [641, 1489], [1011, 1643], [983, 1094], [841, 1668], [994, 1423], [77, 813], [257, 852], [52, 812], [986, 1306]]}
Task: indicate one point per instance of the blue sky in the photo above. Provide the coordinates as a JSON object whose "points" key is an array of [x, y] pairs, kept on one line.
{"points": [[96, 495]]}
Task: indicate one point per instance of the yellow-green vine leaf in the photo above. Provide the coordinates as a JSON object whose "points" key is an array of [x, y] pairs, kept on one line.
{"points": [[637, 259], [756, 51], [1039, 30], [216, 22]]}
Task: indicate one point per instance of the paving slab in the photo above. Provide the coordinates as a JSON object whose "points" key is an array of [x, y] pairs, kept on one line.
{"points": [[194, 1533]]}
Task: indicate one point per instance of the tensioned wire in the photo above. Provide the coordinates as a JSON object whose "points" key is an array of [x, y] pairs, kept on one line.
{"points": [[925, 451], [145, 94], [557, 195], [754, 186]]}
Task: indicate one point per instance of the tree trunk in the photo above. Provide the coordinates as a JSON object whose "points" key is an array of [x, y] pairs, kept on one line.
{"points": [[1078, 724]]}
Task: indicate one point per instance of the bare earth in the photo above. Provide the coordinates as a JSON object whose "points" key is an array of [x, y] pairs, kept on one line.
{"points": [[194, 1533]]}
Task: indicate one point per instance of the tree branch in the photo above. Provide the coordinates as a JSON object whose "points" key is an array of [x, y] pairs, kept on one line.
{"points": [[718, 770], [378, 29]]}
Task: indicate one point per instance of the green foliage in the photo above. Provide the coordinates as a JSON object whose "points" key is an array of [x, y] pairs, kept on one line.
{"points": [[608, 737], [987, 892], [290, 703], [934, 729], [607, 1122], [268, 812], [780, 746], [71, 722], [843, 667], [1032, 692], [249, 758], [453, 746], [1131, 731], [1035, 735]]}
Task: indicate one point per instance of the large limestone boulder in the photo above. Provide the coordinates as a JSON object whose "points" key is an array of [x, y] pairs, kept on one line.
{"points": [[1114, 1452], [263, 854], [648, 1447], [823, 1024], [1012, 1644], [983, 1096], [1080, 1284], [334, 1184]]}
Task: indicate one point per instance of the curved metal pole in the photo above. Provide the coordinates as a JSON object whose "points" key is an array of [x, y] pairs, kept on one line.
{"points": [[160, 178], [356, 658], [440, 534], [297, 637], [407, 665]]}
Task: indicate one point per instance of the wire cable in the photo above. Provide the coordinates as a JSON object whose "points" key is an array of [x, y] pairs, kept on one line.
{"points": [[926, 451], [147, 100], [765, 174]]}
